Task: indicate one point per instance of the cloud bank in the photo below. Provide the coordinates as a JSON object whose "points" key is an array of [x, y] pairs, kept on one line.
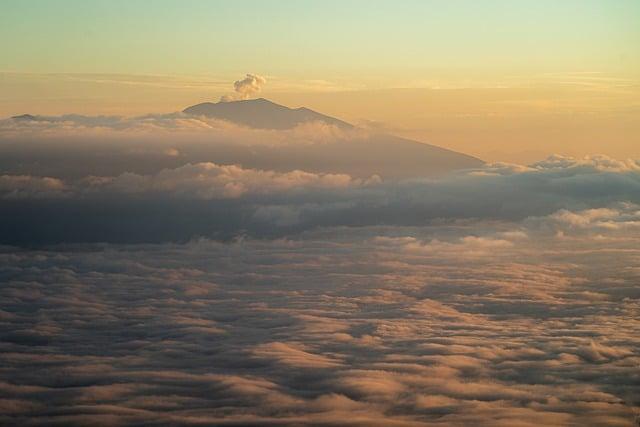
{"points": [[528, 323], [227, 201]]}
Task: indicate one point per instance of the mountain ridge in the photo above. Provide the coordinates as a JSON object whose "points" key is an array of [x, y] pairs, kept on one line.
{"points": [[261, 113]]}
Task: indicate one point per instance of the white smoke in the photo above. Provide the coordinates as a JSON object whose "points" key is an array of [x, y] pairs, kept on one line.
{"points": [[245, 88]]}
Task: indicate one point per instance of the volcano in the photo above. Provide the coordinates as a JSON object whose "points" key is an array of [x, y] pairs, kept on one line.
{"points": [[261, 114], [364, 154]]}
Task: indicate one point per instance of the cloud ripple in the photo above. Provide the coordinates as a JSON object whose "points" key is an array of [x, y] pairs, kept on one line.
{"points": [[528, 322]]}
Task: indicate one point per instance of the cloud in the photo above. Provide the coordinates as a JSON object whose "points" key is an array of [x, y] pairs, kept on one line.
{"points": [[246, 88], [210, 181], [75, 146], [599, 163], [293, 355], [228, 200], [492, 322], [25, 186]]}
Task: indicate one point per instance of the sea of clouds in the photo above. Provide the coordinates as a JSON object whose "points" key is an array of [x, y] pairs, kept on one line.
{"points": [[160, 288]]}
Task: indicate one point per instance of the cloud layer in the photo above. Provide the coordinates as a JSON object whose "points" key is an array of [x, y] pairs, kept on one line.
{"points": [[226, 201], [155, 271], [530, 322]]}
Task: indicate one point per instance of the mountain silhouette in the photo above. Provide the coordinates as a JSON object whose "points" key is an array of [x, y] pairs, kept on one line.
{"points": [[25, 117], [261, 113], [353, 151], [376, 153]]}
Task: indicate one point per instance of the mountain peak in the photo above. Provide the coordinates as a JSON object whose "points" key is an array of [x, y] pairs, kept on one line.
{"points": [[25, 117], [261, 113], [265, 100], [248, 101]]}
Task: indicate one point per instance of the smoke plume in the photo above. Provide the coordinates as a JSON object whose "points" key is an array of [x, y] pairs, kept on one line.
{"points": [[245, 88]]}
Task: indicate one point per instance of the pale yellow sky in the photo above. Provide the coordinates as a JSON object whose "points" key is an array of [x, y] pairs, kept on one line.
{"points": [[515, 123], [515, 119]]}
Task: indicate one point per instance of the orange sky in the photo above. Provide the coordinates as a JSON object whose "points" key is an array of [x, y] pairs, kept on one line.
{"points": [[520, 120]]}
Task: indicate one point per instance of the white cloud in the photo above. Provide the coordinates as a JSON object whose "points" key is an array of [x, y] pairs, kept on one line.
{"points": [[388, 325], [210, 181]]}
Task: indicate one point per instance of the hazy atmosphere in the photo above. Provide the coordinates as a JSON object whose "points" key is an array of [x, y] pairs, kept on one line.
{"points": [[407, 213]]}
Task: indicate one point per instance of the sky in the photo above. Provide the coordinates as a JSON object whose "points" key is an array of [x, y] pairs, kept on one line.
{"points": [[305, 38], [501, 80]]}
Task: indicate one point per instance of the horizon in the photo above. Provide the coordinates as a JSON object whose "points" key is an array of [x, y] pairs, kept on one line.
{"points": [[509, 124], [522, 157]]}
